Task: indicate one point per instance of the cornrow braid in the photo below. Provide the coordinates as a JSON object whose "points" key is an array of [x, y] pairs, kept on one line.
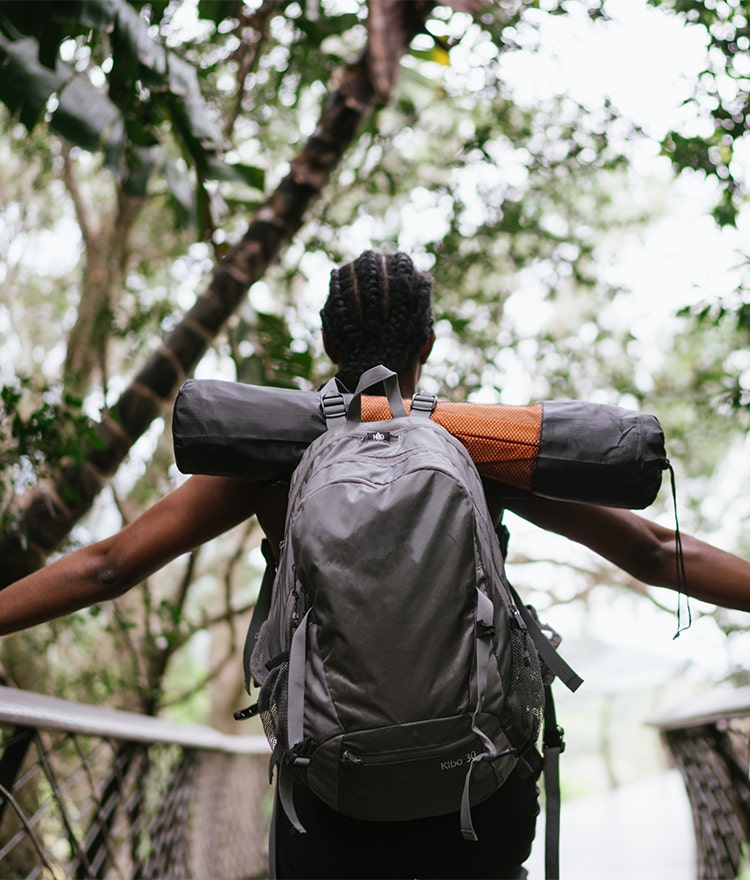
{"points": [[378, 311]]}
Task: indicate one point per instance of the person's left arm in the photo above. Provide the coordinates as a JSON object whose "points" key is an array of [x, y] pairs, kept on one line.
{"points": [[645, 549]]}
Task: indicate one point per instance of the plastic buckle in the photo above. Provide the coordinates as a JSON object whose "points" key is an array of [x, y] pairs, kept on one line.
{"points": [[244, 714], [555, 740], [334, 406], [485, 630], [424, 402]]}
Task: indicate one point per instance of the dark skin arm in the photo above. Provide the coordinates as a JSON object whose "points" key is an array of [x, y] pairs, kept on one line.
{"points": [[204, 507], [645, 549], [199, 510]]}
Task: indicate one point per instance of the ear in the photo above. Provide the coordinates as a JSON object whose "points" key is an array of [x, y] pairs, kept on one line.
{"points": [[426, 351], [329, 349]]}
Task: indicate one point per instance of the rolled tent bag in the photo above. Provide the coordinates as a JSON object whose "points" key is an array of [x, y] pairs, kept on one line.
{"points": [[566, 449]]}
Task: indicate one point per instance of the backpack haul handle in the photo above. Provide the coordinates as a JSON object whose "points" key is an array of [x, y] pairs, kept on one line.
{"points": [[331, 396]]}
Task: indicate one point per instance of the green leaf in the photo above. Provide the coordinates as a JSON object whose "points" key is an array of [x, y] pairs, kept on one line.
{"points": [[134, 49], [436, 54], [97, 14], [182, 191], [85, 116], [317, 30], [89, 119], [219, 10], [235, 172], [25, 85]]}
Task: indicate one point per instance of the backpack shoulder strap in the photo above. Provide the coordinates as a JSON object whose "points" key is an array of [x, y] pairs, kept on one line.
{"points": [[262, 607], [423, 404], [553, 747], [553, 744]]}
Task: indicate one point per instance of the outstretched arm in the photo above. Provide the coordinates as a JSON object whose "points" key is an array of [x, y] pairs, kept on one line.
{"points": [[200, 509], [645, 549]]}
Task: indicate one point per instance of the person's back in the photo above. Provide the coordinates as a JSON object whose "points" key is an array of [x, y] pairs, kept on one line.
{"points": [[379, 311]]}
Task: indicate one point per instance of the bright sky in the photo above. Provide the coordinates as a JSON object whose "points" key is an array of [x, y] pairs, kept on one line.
{"points": [[645, 62]]}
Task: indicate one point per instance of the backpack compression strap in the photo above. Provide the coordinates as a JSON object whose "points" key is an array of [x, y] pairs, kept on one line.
{"points": [[552, 740], [485, 631], [295, 755], [553, 746], [262, 607], [554, 662], [260, 614]]}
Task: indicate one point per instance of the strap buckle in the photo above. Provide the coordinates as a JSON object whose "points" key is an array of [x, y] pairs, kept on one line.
{"points": [[249, 712], [334, 406], [553, 739], [423, 402]]}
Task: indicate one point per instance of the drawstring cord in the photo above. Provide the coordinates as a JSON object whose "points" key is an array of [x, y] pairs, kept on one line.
{"points": [[681, 577]]}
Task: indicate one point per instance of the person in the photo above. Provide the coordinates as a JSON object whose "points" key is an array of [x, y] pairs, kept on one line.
{"points": [[379, 310]]}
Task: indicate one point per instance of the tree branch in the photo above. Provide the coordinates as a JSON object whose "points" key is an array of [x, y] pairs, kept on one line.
{"points": [[46, 521], [74, 191]]}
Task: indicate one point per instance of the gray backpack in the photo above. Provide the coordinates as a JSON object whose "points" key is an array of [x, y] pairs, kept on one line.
{"points": [[399, 675]]}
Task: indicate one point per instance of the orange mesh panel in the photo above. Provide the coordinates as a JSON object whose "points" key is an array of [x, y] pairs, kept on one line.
{"points": [[503, 441]]}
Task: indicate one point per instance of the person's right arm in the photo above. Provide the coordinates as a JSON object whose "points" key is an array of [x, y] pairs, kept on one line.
{"points": [[200, 509]]}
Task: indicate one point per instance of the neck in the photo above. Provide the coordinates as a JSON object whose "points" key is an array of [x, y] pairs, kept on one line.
{"points": [[408, 384], [408, 381]]}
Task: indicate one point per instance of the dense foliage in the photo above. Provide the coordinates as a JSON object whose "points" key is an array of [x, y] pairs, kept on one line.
{"points": [[140, 139]]}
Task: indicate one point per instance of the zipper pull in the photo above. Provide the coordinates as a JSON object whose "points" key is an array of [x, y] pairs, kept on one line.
{"points": [[348, 758], [295, 616], [520, 622]]}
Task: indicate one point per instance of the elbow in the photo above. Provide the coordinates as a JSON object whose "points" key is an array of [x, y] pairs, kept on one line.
{"points": [[106, 576], [655, 564]]}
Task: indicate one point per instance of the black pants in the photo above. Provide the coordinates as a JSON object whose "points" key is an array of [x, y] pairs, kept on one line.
{"points": [[336, 846]]}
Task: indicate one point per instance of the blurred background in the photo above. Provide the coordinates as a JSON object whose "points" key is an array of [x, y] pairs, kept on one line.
{"points": [[574, 175]]}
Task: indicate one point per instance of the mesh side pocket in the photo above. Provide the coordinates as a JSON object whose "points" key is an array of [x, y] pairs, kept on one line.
{"points": [[273, 706], [524, 705], [261, 654], [272, 674]]}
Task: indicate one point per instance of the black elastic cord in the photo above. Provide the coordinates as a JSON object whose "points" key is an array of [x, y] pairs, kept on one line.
{"points": [[680, 564]]}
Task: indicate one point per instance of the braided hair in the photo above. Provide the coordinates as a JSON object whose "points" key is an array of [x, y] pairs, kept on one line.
{"points": [[378, 311]]}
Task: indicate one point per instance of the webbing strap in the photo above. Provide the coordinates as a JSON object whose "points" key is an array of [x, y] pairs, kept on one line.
{"points": [[567, 675], [371, 377], [273, 831], [484, 633], [295, 723], [553, 745], [296, 698], [285, 784], [553, 748], [260, 612], [334, 407], [423, 404]]}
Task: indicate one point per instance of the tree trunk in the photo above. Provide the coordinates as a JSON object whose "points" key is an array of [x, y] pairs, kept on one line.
{"points": [[53, 509]]}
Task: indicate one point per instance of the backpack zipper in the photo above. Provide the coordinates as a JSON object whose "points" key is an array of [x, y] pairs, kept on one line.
{"points": [[296, 616], [399, 756]]}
